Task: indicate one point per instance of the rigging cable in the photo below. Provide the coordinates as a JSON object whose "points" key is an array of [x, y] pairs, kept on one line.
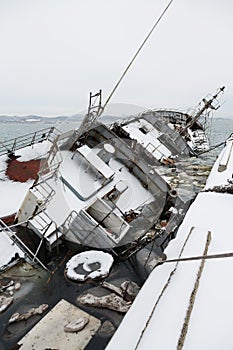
{"points": [[205, 257], [215, 146], [135, 55]]}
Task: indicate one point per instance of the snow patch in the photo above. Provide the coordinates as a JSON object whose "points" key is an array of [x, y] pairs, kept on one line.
{"points": [[38, 150]]}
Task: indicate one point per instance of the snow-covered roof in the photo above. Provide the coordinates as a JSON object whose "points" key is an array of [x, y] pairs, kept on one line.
{"points": [[188, 303], [65, 200]]}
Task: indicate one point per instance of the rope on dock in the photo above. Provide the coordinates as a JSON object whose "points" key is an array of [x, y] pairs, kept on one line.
{"points": [[205, 257], [163, 290], [192, 298]]}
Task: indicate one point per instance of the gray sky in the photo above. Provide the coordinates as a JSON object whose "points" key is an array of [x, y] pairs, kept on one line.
{"points": [[54, 52]]}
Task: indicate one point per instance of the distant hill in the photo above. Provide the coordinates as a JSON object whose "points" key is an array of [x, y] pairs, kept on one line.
{"points": [[40, 119], [112, 111], [120, 110], [37, 118]]}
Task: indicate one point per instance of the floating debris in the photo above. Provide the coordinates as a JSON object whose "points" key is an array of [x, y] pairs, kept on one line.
{"points": [[77, 325], [10, 287], [110, 301], [17, 286], [5, 302], [128, 289], [91, 264], [226, 188], [16, 317], [4, 287]]}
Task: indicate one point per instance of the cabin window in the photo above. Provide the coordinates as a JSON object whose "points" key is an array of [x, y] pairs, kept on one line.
{"points": [[143, 130]]}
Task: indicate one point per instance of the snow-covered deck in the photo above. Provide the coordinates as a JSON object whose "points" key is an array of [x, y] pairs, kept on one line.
{"points": [[147, 135], [82, 181], [188, 305], [95, 161], [12, 193]]}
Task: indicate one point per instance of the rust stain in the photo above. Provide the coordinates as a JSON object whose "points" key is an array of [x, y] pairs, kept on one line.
{"points": [[9, 219], [23, 171]]}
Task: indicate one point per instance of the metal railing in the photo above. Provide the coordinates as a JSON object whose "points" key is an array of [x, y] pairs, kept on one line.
{"points": [[53, 159], [28, 254], [68, 221], [43, 222], [44, 192], [10, 146]]}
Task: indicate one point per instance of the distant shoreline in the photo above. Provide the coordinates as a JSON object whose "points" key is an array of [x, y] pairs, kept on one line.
{"points": [[57, 120], [49, 120]]}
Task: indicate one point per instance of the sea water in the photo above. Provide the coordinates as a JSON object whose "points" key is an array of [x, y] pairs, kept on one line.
{"points": [[219, 129], [12, 130]]}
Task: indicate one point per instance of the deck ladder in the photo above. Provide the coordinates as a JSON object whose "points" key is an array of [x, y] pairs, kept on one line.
{"points": [[29, 255]]}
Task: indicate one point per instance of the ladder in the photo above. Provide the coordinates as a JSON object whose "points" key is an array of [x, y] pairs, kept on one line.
{"points": [[28, 254], [46, 229]]}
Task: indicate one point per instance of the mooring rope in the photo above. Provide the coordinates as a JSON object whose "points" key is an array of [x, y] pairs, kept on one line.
{"points": [[192, 298], [135, 55], [203, 257], [163, 290], [206, 257]]}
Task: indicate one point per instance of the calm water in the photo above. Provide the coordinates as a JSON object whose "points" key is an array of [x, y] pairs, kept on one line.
{"points": [[12, 130], [219, 130]]}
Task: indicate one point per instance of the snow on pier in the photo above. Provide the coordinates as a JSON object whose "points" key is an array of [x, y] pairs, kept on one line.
{"points": [[188, 304]]}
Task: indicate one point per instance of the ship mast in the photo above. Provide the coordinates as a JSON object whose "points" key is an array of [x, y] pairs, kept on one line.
{"points": [[207, 104]]}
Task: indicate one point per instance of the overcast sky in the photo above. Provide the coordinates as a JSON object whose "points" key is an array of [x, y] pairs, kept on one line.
{"points": [[54, 52]]}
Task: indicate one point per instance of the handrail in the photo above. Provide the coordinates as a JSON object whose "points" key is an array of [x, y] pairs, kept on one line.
{"points": [[28, 140], [46, 224], [69, 217], [46, 194], [50, 167], [28, 253]]}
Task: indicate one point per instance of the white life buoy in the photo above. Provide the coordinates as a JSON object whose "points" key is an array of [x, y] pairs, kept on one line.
{"points": [[84, 260]]}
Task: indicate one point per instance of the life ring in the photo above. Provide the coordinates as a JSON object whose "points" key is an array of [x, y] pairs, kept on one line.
{"points": [[84, 261]]}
